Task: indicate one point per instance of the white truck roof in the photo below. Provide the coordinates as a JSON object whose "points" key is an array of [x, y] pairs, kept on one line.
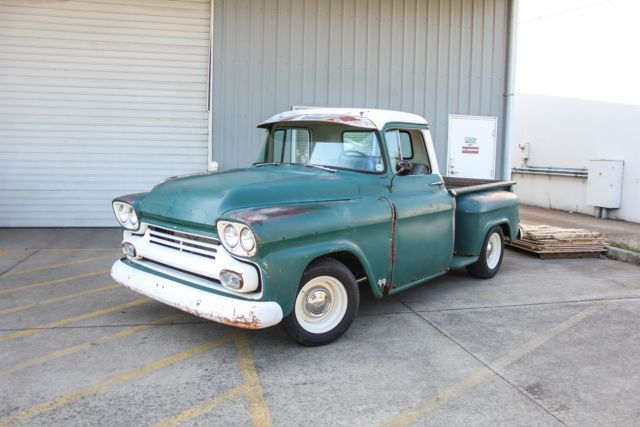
{"points": [[357, 117]]}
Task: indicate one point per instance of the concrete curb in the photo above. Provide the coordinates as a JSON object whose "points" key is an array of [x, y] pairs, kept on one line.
{"points": [[623, 255]]}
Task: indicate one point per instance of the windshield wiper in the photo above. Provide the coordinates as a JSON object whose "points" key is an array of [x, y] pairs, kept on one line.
{"points": [[258, 164], [311, 165]]}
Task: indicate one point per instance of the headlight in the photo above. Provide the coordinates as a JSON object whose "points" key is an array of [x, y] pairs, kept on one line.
{"points": [[231, 235], [237, 238], [123, 212], [247, 241], [126, 215]]}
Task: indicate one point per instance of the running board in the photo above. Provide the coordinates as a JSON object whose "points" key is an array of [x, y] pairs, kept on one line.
{"points": [[462, 261]]}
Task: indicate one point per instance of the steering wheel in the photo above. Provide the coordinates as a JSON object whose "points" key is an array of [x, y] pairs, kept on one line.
{"points": [[354, 153]]}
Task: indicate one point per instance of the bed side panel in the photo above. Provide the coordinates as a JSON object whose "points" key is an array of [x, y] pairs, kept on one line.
{"points": [[477, 213]]}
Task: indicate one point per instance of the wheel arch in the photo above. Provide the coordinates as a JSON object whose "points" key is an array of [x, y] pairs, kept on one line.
{"points": [[504, 224], [293, 261], [356, 263], [349, 259]]}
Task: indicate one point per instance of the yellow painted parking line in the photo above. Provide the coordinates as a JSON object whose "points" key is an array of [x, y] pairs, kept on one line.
{"points": [[531, 345], [90, 315], [57, 299], [52, 266], [412, 415], [459, 388], [250, 388], [34, 411], [77, 249], [259, 413], [89, 344], [52, 282], [204, 408]]}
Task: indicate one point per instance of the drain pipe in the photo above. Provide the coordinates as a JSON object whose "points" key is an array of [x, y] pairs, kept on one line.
{"points": [[510, 89]]}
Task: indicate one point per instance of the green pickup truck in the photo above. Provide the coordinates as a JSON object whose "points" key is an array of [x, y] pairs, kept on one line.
{"points": [[339, 200]]}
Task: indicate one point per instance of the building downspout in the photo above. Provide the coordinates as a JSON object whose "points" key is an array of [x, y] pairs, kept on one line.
{"points": [[512, 43], [212, 166]]}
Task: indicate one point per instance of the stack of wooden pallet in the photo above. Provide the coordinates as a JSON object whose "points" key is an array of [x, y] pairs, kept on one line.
{"points": [[554, 242]]}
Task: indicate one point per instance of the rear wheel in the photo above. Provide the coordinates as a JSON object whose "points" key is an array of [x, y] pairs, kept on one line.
{"points": [[491, 255], [326, 303]]}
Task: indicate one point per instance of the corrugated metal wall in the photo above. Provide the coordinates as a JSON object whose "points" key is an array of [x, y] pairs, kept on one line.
{"points": [[98, 99], [431, 57]]}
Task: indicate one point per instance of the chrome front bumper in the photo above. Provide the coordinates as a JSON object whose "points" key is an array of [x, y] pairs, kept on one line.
{"points": [[230, 311]]}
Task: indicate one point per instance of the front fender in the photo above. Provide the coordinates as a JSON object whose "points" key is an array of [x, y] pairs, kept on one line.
{"points": [[283, 269], [289, 237], [134, 200]]}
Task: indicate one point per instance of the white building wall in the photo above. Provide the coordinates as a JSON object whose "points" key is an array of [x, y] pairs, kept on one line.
{"points": [[565, 132]]}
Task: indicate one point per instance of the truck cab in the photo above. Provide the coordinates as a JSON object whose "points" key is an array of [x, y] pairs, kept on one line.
{"points": [[339, 200]]}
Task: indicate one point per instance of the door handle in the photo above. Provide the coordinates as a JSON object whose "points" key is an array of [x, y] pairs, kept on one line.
{"points": [[437, 183]]}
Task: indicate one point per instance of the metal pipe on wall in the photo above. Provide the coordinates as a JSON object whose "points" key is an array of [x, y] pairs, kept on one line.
{"points": [[552, 171], [510, 89]]}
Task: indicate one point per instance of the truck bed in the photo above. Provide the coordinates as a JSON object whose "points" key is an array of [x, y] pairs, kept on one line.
{"points": [[459, 186]]}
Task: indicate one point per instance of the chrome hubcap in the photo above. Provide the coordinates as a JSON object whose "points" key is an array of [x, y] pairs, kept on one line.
{"points": [[318, 302], [321, 304]]}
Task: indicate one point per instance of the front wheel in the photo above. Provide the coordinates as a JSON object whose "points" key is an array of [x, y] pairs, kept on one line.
{"points": [[326, 303], [491, 255]]}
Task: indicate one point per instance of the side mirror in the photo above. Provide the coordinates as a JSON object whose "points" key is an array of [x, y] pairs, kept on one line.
{"points": [[403, 167]]}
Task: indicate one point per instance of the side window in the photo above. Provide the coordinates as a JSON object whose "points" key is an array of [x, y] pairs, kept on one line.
{"points": [[420, 155], [405, 145], [392, 138], [409, 144]]}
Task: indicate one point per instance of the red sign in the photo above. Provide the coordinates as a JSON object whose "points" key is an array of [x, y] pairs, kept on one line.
{"points": [[470, 150]]}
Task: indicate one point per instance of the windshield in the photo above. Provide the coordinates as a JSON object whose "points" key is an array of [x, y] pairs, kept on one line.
{"points": [[322, 144]]}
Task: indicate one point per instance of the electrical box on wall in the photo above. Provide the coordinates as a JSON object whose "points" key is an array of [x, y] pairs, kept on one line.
{"points": [[604, 183]]}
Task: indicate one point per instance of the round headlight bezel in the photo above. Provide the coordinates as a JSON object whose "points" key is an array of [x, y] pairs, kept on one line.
{"points": [[235, 244], [126, 215]]}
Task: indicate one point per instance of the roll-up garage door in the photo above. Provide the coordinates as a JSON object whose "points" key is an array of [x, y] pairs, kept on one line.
{"points": [[98, 98]]}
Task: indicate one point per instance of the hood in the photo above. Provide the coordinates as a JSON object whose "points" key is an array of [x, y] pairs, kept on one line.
{"points": [[202, 199]]}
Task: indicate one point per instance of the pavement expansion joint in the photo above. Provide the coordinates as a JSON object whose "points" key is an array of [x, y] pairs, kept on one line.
{"points": [[489, 307], [19, 262], [412, 415]]}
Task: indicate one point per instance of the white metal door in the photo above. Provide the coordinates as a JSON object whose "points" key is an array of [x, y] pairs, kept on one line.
{"points": [[472, 146]]}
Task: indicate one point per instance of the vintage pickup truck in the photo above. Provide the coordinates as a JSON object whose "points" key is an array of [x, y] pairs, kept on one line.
{"points": [[339, 200]]}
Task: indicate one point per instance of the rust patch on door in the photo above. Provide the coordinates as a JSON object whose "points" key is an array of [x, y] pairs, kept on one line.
{"points": [[387, 285]]}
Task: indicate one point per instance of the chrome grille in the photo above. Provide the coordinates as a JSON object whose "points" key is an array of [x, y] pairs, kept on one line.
{"points": [[183, 242]]}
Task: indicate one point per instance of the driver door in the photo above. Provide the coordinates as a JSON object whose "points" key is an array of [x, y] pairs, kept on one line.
{"points": [[424, 212]]}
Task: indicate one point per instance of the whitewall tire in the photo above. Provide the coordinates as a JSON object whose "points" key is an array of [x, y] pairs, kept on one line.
{"points": [[491, 255], [325, 305]]}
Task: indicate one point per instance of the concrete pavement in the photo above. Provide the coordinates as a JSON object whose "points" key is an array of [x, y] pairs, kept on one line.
{"points": [[550, 342]]}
